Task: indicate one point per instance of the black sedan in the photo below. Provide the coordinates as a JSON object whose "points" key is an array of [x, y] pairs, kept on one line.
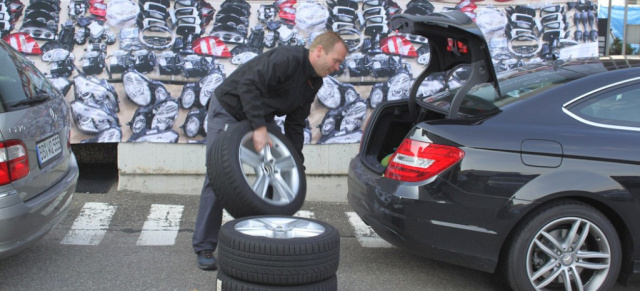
{"points": [[535, 172]]}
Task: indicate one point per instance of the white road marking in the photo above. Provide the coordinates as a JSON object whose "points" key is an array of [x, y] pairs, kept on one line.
{"points": [[365, 234], [91, 224], [162, 225]]}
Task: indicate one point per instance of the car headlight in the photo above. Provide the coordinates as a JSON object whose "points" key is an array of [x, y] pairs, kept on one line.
{"points": [[165, 115], [399, 87], [329, 94], [351, 95], [243, 58], [188, 97], [328, 125], [136, 86], [91, 120], [83, 88], [424, 55], [207, 85], [161, 93], [113, 134], [353, 117], [430, 86], [92, 91], [376, 96], [139, 123], [167, 136], [191, 126], [56, 55]]}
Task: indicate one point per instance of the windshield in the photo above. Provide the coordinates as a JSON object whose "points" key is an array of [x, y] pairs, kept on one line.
{"points": [[515, 85]]}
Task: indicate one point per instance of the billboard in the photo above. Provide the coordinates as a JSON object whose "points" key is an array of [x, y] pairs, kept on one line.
{"points": [[142, 71]]}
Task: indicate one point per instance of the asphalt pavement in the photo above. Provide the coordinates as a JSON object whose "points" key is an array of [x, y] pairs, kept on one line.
{"points": [[115, 241]]}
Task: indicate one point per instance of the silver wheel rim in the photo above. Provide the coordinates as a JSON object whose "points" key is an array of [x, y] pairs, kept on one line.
{"points": [[272, 174], [569, 253], [279, 227]]}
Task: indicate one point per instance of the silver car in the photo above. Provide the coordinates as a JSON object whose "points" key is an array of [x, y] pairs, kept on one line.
{"points": [[38, 170]]}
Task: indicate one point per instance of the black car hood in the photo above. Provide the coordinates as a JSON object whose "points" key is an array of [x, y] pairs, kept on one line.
{"points": [[443, 29]]}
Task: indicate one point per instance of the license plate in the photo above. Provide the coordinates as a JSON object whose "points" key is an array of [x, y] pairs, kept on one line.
{"points": [[48, 149]]}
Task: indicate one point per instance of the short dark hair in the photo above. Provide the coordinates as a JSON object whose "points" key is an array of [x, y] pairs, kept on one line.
{"points": [[328, 40]]}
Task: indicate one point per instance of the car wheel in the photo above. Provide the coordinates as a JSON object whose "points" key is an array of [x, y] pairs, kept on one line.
{"points": [[279, 250], [249, 183], [226, 282], [566, 246]]}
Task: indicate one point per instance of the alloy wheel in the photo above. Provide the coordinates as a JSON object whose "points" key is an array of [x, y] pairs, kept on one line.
{"points": [[570, 252]]}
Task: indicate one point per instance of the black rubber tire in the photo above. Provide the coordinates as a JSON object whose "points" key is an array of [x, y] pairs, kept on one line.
{"points": [[233, 189], [556, 220], [278, 261], [228, 283]]}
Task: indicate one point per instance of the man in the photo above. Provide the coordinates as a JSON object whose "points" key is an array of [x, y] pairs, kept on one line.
{"points": [[281, 81]]}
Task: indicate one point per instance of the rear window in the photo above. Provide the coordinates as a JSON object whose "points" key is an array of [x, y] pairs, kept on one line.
{"points": [[515, 85], [18, 87]]}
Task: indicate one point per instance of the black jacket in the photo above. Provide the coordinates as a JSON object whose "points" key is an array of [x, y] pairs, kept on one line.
{"points": [[278, 82]]}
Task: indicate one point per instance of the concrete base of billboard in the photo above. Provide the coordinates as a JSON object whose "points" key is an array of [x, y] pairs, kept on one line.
{"points": [[319, 188], [179, 169]]}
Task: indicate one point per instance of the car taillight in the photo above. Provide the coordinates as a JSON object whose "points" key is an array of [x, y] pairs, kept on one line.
{"points": [[417, 161], [211, 45], [398, 45], [23, 42], [14, 162]]}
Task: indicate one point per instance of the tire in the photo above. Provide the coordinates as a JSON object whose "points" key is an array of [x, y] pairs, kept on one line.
{"points": [[247, 183], [279, 250], [595, 260], [228, 283]]}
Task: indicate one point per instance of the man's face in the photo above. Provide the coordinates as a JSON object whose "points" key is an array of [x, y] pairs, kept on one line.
{"points": [[329, 62]]}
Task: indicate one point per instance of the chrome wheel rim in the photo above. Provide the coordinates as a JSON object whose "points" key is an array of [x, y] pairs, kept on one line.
{"points": [[569, 253], [272, 174], [279, 227]]}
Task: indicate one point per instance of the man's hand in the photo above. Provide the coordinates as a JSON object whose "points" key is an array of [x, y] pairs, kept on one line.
{"points": [[261, 138]]}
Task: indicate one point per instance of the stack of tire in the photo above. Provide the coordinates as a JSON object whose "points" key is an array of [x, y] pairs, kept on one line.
{"points": [[273, 252], [265, 248]]}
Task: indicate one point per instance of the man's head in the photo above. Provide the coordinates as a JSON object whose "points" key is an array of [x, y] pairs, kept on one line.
{"points": [[327, 52]]}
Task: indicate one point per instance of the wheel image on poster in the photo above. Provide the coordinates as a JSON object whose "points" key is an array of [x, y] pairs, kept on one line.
{"points": [[278, 250], [249, 183], [564, 246]]}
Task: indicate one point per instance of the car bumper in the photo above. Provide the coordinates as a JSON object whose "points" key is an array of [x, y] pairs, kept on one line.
{"points": [[24, 223], [433, 219]]}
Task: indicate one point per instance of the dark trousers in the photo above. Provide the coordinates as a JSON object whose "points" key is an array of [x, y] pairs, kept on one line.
{"points": [[209, 219]]}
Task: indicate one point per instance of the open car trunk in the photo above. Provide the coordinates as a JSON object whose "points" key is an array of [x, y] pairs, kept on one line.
{"points": [[455, 41]]}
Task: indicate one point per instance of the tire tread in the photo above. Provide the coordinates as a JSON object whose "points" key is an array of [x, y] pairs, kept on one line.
{"points": [[279, 261]]}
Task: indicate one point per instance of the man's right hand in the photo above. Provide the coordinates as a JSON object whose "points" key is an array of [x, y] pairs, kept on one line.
{"points": [[261, 138]]}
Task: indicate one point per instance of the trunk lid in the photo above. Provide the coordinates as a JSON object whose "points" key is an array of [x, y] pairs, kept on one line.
{"points": [[454, 40]]}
